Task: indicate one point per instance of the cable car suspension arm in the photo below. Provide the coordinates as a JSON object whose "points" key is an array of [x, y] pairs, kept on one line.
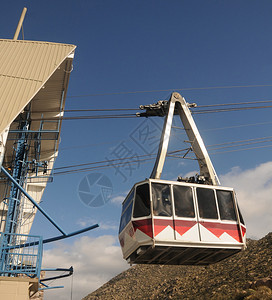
{"points": [[178, 106]]}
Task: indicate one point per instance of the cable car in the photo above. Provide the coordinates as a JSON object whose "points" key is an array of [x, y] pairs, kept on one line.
{"points": [[192, 221]]}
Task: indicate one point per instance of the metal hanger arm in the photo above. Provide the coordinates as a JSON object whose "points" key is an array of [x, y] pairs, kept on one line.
{"points": [[178, 105]]}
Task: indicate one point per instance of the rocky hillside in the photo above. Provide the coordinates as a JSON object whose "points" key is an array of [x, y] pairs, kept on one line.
{"points": [[247, 275]]}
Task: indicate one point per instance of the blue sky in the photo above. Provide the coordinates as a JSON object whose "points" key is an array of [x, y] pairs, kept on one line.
{"points": [[128, 46]]}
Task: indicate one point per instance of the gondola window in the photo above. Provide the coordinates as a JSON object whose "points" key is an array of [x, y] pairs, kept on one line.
{"points": [[184, 203], [206, 203], [126, 212], [161, 198], [142, 201], [226, 205]]}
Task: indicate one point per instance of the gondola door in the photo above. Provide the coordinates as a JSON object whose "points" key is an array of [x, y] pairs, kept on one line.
{"points": [[163, 223], [185, 216], [218, 216]]}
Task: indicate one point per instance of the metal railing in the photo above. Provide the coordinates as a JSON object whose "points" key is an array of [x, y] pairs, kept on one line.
{"points": [[22, 255]]}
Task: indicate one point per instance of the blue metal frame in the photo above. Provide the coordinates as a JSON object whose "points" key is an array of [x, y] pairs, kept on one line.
{"points": [[19, 253], [19, 174], [46, 287], [18, 259], [10, 249], [64, 234], [50, 287], [70, 270], [14, 199]]}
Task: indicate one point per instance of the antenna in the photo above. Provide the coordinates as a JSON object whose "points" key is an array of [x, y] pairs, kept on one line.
{"points": [[20, 23]]}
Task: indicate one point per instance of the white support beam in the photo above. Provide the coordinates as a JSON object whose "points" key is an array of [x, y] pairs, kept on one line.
{"points": [[178, 104], [3, 140]]}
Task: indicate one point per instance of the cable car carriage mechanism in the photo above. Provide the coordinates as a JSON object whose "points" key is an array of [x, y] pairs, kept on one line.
{"points": [[184, 222]]}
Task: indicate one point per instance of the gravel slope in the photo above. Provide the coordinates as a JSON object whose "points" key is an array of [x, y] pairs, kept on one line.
{"points": [[235, 278]]}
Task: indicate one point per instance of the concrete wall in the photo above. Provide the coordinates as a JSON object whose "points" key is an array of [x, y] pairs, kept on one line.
{"points": [[17, 288]]}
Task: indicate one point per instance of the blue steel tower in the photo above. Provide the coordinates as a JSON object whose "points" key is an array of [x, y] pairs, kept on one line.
{"points": [[33, 86]]}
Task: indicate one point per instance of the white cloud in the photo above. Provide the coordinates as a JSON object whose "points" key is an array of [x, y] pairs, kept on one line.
{"points": [[108, 225], [118, 199], [87, 221], [95, 261], [254, 193], [191, 173]]}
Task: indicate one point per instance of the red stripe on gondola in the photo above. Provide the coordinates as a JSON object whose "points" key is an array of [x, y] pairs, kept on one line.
{"points": [[243, 230], [218, 229], [182, 226], [144, 225], [160, 225]]}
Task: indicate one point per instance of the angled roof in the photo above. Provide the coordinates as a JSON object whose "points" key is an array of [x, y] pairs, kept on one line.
{"points": [[25, 67], [34, 79]]}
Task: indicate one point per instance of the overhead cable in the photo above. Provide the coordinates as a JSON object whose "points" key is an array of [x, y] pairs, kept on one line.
{"points": [[131, 115], [231, 145], [229, 109], [176, 127], [117, 159], [88, 110], [103, 161], [235, 103], [236, 126], [120, 161], [170, 90], [239, 141], [107, 166], [110, 109], [236, 150], [100, 167], [86, 117], [135, 116], [137, 109]]}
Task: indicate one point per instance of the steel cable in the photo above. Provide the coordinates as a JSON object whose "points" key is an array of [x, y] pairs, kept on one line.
{"points": [[171, 90]]}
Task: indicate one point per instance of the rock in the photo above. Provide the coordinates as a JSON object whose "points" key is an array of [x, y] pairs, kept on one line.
{"points": [[262, 282]]}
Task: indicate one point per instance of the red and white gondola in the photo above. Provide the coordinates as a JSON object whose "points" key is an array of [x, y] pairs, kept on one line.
{"points": [[191, 222], [167, 222]]}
